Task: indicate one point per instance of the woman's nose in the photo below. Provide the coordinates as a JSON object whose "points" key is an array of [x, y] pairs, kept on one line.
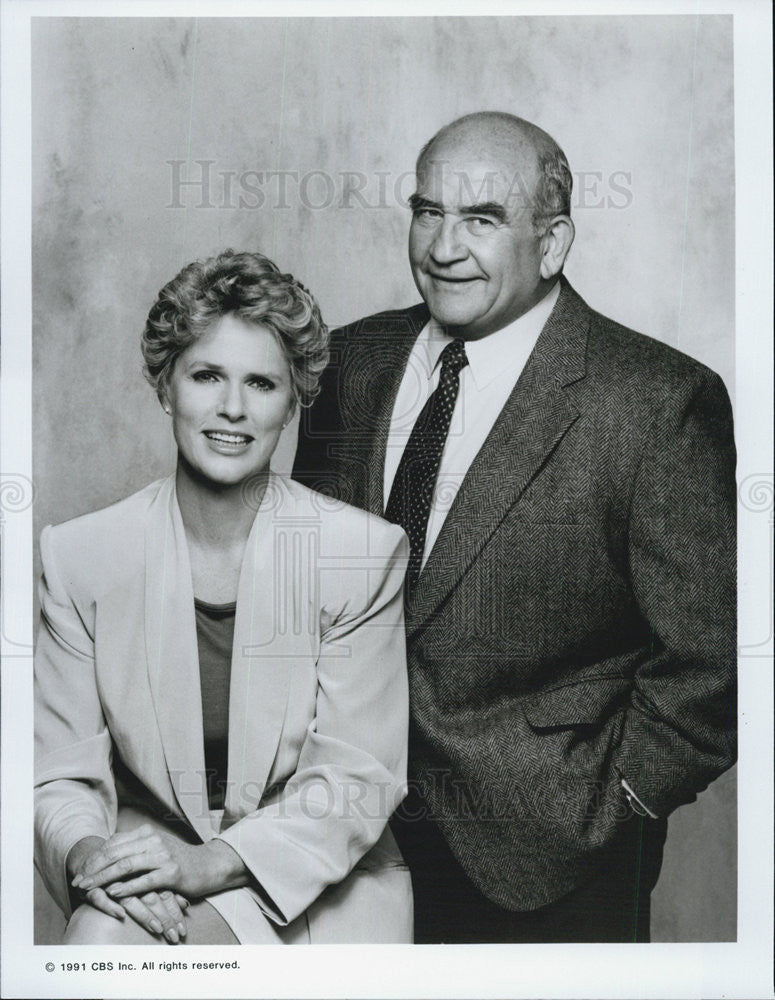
{"points": [[230, 403]]}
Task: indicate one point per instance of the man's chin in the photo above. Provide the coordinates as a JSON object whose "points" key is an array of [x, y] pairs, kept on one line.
{"points": [[446, 315]]}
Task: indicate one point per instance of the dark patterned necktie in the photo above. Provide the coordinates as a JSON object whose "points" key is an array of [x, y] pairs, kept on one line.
{"points": [[410, 498]]}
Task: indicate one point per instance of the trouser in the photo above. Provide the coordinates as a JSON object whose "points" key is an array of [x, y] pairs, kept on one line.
{"points": [[612, 904]]}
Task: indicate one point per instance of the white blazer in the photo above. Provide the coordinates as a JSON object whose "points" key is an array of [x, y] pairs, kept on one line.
{"points": [[318, 710]]}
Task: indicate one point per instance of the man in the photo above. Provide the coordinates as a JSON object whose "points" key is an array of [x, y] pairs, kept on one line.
{"points": [[567, 486]]}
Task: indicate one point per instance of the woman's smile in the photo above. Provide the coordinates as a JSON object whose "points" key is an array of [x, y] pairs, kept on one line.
{"points": [[228, 442]]}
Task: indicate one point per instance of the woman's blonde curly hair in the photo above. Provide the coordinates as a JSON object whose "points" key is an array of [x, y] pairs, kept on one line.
{"points": [[250, 286]]}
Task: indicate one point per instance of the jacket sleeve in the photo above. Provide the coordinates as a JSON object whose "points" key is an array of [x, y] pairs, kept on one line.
{"points": [[75, 794], [655, 721], [680, 728], [351, 772], [661, 716]]}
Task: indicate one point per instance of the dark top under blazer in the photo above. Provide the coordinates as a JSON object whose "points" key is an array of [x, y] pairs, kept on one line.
{"points": [[575, 621]]}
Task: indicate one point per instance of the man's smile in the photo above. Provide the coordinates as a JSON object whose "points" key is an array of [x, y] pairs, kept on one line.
{"points": [[449, 279]]}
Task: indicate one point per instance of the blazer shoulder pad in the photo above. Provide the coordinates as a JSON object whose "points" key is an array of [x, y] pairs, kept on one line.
{"points": [[99, 545], [646, 364], [344, 529]]}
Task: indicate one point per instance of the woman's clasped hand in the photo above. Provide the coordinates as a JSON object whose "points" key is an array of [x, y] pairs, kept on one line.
{"points": [[150, 874], [159, 913], [165, 862]]}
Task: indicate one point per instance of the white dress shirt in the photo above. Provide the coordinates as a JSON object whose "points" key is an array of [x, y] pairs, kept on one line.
{"points": [[494, 364]]}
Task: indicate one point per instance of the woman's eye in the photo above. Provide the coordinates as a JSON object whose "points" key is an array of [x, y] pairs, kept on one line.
{"points": [[204, 376], [262, 383]]}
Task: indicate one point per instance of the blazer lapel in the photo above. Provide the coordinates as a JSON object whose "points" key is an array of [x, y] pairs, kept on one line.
{"points": [[536, 416], [267, 642], [173, 656], [269, 637], [385, 364]]}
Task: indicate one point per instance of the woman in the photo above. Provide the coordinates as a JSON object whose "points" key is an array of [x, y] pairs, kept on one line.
{"points": [[221, 694]]}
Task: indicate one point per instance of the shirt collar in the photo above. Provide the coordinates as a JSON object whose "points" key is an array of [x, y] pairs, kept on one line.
{"points": [[496, 354]]}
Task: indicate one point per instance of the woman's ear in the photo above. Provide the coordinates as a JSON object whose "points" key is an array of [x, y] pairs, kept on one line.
{"points": [[165, 405], [291, 411]]}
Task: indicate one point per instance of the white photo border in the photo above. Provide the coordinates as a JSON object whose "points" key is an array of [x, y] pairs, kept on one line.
{"points": [[741, 969]]}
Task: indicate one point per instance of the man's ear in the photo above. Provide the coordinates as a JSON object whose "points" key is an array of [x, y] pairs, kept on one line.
{"points": [[555, 244]]}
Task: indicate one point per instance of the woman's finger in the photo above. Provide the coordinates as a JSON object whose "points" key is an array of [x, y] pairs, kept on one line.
{"points": [[166, 910], [100, 900], [152, 881], [113, 851], [175, 911], [120, 869], [143, 915]]}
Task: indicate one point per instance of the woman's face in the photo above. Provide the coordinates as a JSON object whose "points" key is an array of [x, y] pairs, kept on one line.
{"points": [[230, 396]]}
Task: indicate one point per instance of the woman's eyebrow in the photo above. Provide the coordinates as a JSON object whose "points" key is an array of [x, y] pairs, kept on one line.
{"points": [[211, 366], [204, 363]]}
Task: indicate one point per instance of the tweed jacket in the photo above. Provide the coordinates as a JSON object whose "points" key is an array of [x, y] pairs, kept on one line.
{"points": [[318, 707], [571, 638]]}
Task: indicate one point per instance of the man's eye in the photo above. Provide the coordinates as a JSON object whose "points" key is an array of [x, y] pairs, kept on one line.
{"points": [[479, 224], [427, 216]]}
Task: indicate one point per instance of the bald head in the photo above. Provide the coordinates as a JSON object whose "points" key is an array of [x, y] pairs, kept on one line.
{"points": [[534, 158], [491, 223]]}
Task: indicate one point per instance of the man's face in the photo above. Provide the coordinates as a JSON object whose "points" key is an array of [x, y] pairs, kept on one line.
{"points": [[475, 258]]}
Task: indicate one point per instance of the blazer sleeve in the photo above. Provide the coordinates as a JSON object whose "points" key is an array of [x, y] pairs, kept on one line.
{"points": [[650, 728], [680, 729], [351, 773], [75, 794]]}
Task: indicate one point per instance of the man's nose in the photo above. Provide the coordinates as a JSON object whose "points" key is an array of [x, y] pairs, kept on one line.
{"points": [[230, 402], [446, 247]]}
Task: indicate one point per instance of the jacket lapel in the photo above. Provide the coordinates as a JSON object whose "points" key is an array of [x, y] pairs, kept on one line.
{"points": [[537, 414], [269, 636], [385, 364], [268, 640], [173, 656]]}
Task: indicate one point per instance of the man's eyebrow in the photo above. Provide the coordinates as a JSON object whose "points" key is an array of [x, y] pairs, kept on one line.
{"points": [[416, 201], [493, 208]]}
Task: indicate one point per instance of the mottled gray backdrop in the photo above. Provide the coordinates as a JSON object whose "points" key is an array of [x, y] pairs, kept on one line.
{"points": [[156, 141]]}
